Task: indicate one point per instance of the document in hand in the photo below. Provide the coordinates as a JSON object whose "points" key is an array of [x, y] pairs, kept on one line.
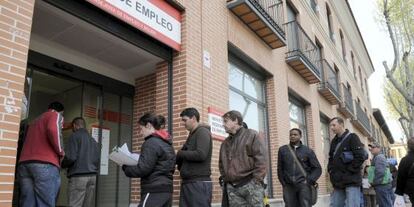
{"points": [[122, 156]]}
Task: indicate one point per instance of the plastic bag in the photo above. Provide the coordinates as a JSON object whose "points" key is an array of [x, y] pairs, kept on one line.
{"points": [[399, 201]]}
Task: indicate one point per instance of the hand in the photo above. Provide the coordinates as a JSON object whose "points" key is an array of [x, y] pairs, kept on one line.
{"points": [[221, 181]]}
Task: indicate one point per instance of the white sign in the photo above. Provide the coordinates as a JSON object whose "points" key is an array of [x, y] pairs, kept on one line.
{"points": [[216, 123], [105, 147], [155, 17], [206, 59]]}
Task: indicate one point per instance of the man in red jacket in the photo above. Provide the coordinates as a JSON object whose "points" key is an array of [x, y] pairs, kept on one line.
{"points": [[39, 162]]}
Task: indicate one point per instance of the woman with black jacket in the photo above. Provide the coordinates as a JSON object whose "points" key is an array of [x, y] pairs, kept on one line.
{"points": [[156, 163], [405, 177]]}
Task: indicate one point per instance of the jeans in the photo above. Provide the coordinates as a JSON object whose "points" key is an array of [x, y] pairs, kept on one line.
{"points": [[297, 195], [82, 191], [384, 195], [348, 197], [39, 184]]}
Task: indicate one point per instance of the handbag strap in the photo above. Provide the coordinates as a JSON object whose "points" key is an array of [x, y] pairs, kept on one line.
{"points": [[340, 143], [297, 161]]}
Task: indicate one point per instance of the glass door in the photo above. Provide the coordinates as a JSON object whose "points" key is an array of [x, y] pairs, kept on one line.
{"points": [[109, 120]]}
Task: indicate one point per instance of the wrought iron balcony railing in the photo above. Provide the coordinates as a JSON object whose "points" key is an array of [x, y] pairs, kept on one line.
{"points": [[303, 55]]}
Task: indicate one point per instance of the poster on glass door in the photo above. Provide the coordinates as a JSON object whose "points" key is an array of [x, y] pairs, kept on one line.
{"points": [[105, 147]]}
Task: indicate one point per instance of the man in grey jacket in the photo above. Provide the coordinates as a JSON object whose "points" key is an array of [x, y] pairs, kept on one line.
{"points": [[382, 187], [82, 160]]}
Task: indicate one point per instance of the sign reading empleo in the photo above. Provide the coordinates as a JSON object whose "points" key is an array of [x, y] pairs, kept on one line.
{"points": [[154, 17], [216, 123]]}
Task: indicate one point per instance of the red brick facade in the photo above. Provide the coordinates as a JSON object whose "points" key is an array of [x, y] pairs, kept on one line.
{"points": [[15, 26]]}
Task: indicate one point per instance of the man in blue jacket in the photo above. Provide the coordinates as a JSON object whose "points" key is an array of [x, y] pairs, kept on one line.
{"points": [[382, 185], [82, 160]]}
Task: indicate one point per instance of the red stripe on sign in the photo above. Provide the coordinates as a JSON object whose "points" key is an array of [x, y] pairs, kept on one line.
{"points": [[167, 8], [214, 111]]}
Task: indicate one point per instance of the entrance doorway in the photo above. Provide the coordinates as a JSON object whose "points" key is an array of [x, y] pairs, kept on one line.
{"points": [[90, 61], [109, 120]]}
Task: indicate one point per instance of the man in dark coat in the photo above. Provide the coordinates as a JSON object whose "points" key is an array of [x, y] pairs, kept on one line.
{"points": [[346, 157], [194, 162], [405, 177], [82, 161], [296, 184]]}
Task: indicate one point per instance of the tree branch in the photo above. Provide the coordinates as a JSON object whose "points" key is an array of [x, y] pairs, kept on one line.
{"points": [[390, 72], [392, 37], [398, 109], [404, 127], [406, 30]]}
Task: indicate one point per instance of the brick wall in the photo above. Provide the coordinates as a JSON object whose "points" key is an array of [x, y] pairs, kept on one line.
{"points": [[15, 26]]}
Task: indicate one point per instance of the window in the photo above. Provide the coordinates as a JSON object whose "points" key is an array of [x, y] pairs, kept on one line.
{"points": [[334, 80], [298, 117], [330, 25], [360, 78], [291, 13], [247, 95], [320, 55], [325, 136], [353, 66], [314, 5], [366, 87], [343, 45]]}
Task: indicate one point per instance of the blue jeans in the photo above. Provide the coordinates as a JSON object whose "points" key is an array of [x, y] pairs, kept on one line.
{"points": [[39, 184], [348, 197], [384, 195]]}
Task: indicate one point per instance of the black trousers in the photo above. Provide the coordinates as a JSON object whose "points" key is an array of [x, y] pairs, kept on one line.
{"points": [[298, 195], [196, 194], [156, 200]]}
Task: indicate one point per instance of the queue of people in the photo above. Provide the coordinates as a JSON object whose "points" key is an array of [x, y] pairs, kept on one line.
{"points": [[242, 165]]}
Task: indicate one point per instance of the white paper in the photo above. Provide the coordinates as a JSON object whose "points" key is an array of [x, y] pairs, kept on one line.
{"points": [[122, 156], [399, 201]]}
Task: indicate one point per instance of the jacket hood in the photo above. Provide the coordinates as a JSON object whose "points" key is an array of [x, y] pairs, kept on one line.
{"points": [[201, 125], [163, 134]]}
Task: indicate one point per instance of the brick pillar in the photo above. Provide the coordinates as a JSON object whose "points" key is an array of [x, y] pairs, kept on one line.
{"points": [[15, 27]]}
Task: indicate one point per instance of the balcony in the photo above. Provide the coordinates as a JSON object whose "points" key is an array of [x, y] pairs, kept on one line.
{"points": [[346, 106], [263, 17], [361, 121], [303, 55], [329, 87]]}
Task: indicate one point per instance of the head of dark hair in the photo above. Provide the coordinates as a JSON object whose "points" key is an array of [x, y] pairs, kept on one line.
{"points": [[338, 119], [57, 106], [79, 121], [296, 129], [410, 144], [191, 112], [157, 121], [234, 115]]}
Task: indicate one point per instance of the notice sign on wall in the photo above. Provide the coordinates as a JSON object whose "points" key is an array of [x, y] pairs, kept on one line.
{"points": [[216, 123], [155, 17], [105, 147]]}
